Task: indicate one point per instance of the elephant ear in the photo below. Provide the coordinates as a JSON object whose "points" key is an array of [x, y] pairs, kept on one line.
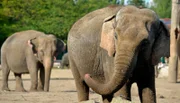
{"points": [[61, 47], [33, 43], [107, 35], [161, 46]]}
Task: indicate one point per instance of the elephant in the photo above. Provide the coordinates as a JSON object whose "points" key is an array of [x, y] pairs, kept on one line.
{"points": [[65, 60], [29, 51], [113, 47]]}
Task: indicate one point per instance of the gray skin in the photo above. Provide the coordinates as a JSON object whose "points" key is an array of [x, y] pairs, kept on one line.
{"points": [[113, 47], [65, 60], [27, 52]]}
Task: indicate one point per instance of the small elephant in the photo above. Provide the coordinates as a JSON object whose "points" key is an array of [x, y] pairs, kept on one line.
{"points": [[27, 52], [65, 61], [111, 48]]}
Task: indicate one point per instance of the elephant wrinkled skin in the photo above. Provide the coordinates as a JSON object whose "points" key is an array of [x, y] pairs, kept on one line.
{"points": [[27, 52], [113, 47]]}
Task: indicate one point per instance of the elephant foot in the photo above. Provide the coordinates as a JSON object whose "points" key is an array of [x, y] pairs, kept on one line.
{"points": [[5, 89]]}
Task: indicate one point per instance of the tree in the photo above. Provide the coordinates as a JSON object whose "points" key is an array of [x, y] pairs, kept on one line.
{"points": [[49, 16], [137, 2], [121, 2], [162, 8], [175, 39], [5, 24]]}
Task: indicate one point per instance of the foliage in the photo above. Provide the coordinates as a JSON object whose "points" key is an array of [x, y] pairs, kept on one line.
{"points": [[56, 16], [4, 25], [49, 16], [137, 2], [162, 8]]}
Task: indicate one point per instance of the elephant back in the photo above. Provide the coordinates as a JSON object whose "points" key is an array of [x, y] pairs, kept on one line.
{"points": [[84, 25]]}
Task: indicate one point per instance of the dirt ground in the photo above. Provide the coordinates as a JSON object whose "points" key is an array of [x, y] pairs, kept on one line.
{"points": [[63, 90]]}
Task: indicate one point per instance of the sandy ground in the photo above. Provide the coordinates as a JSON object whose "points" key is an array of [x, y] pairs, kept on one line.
{"points": [[63, 90]]}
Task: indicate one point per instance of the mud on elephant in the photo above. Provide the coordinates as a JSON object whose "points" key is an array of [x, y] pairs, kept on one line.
{"points": [[27, 52], [113, 47]]}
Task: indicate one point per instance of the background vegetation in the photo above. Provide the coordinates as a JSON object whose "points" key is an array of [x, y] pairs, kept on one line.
{"points": [[162, 8], [57, 16]]}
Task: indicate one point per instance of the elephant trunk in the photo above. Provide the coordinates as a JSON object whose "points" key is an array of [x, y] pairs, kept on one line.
{"points": [[48, 63], [122, 71]]}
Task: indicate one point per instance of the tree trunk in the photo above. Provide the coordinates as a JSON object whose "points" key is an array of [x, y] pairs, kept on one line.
{"points": [[178, 77], [178, 23], [173, 64]]}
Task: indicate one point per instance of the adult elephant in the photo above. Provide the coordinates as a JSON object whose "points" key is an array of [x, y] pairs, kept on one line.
{"points": [[27, 52], [113, 47]]}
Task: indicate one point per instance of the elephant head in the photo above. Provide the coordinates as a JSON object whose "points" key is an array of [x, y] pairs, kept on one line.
{"points": [[45, 48], [126, 35]]}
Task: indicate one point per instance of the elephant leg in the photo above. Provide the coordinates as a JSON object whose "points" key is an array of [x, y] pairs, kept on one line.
{"points": [[5, 75], [125, 91], [107, 98], [147, 94], [34, 80], [41, 80], [19, 84], [82, 88], [147, 91]]}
